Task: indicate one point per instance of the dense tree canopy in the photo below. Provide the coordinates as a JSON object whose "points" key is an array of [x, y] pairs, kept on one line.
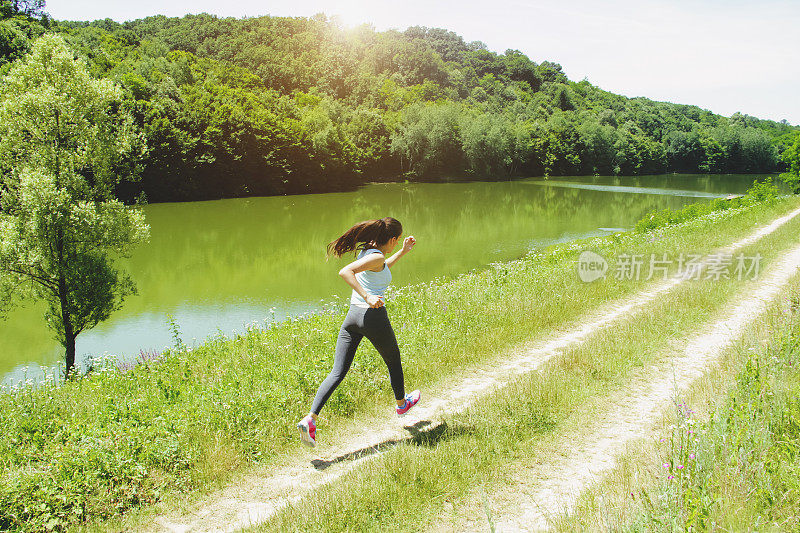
{"points": [[271, 105]]}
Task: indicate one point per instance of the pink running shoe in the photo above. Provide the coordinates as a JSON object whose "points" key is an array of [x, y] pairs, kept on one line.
{"points": [[412, 398], [308, 431]]}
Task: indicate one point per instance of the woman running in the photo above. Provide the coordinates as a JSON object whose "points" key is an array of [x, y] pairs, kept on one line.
{"points": [[369, 276]]}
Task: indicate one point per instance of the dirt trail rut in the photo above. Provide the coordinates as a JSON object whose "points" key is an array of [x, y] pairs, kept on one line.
{"points": [[550, 488]]}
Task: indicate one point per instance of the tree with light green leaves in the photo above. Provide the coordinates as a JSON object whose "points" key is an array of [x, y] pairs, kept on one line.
{"points": [[791, 156], [66, 141]]}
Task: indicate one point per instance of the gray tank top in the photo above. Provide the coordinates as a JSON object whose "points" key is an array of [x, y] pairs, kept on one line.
{"points": [[373, 282]]}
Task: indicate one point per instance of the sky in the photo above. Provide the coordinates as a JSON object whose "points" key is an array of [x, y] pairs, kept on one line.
{"points": [[722, 55]]}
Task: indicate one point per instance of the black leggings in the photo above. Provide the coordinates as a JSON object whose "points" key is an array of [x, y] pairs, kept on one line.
{"points": [[372, 323]]}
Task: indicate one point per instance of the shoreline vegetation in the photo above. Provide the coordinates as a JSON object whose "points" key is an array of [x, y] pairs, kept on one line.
{"points": [[272, 105], [122, 439]]}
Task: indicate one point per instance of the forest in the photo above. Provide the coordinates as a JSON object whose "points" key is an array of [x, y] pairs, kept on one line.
{"points": [[273, 105]]}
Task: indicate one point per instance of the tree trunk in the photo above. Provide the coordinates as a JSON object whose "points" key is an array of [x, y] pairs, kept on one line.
{"points": [[69, 334], [69, 344], [66, 316]]}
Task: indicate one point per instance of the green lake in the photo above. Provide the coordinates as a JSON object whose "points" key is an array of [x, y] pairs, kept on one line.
{"points": [[218, 266]]}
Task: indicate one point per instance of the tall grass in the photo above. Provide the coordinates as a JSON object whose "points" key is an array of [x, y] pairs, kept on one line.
{"points": [[740, 469], [187, 419]]}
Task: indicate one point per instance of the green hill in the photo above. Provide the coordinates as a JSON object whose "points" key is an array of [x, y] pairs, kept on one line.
{"points": [[272, 105]]}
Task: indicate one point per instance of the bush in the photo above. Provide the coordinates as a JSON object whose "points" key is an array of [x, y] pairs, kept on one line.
{"points": [[760, 192]]}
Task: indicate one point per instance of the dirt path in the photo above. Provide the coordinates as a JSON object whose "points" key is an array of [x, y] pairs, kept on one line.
{"points": [[258, 496], [549, 488]]}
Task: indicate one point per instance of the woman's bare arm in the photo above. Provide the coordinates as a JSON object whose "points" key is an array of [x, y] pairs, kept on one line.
{"points": [[348, 273], [408, 244]]}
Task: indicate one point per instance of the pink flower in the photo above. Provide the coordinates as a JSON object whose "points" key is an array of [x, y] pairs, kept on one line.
{"points": [[680, 466], [691, 456], [670, 476], [666, 465]]}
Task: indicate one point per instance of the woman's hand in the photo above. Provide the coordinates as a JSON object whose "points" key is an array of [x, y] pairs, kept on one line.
{"points": [[374, 301], [409, 243]]}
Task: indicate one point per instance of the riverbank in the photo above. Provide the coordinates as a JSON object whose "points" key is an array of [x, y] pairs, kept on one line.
{"points": [[210, 272], [186, 421]]}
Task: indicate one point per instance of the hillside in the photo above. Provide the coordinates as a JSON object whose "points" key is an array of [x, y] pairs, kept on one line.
{"points": [[271, 105]]}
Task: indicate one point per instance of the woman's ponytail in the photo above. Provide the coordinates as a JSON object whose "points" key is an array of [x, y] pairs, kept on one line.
{"points": [[375, 232]]}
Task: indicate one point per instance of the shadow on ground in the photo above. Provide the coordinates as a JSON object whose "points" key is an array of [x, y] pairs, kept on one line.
{"points": [[422, 433]]}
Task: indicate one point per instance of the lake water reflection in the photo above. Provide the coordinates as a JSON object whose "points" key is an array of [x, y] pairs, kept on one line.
{"points": [[217, 266]]}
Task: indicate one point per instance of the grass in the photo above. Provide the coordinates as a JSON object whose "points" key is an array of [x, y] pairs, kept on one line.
{"points": [[419, 484], [730, 462], [185, 421], [756, 194]]}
